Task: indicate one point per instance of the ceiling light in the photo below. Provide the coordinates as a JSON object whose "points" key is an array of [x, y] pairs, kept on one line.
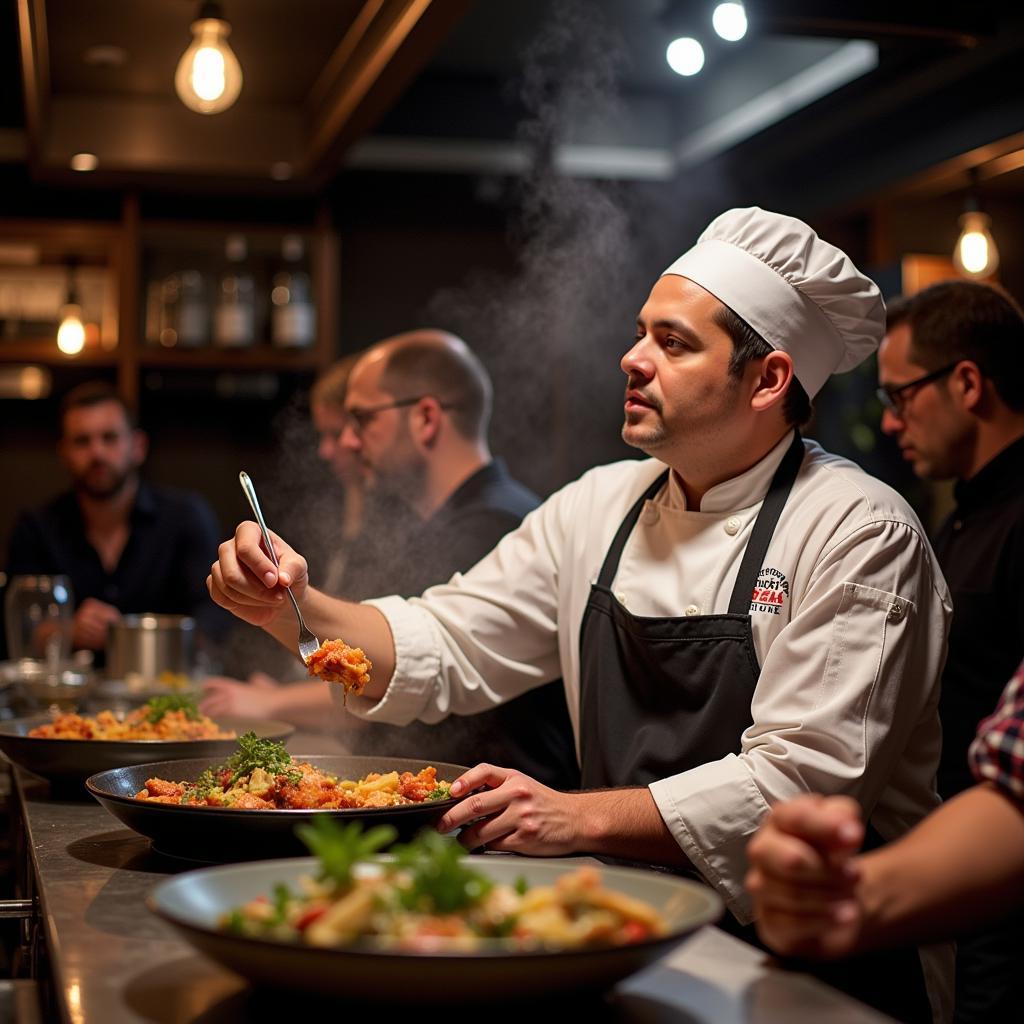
{"points": [[105, 56], [71, 333], [84, 162], [685, 56], [209, 77], [730, 21], [975, 254]]}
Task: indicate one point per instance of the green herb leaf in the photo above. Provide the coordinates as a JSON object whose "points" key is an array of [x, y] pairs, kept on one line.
{"points": [[521, 885], [442, 791], [340, 847], [159, 706], [439, 881], [282, 897], [254, 752]]}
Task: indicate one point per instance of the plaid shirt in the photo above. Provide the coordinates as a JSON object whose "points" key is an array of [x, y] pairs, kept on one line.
{"points": [[997, 753]]}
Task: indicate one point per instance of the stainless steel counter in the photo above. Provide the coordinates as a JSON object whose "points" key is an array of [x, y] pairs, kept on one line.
{"points": [[112, 961]]}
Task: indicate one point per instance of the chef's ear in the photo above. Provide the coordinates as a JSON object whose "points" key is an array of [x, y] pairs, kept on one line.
{"points": [[773, 382]]}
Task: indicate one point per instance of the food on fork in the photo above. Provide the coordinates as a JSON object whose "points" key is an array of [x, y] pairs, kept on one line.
{"points": [[336, 662]]}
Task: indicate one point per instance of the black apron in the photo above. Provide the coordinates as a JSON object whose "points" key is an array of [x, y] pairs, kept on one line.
{"points": [[661, 694]]}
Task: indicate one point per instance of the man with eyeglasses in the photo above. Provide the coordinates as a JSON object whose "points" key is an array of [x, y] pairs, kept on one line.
{"points": [[951, 370]]}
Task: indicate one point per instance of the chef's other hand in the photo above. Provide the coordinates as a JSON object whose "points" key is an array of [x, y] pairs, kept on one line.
{"points": [[245, 580], [93, 620], [803, 877], [506, 810], [255, 699]]}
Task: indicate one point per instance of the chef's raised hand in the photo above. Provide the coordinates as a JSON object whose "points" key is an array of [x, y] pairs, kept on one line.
{"points": [[245, 581], [506, 810], [803, 876]]}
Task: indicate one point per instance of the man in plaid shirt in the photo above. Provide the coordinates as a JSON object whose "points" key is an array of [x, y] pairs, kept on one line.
{"points": [[963, 866]]}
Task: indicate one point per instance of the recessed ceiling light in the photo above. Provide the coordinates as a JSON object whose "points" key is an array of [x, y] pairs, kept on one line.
{"points": [[105, 56], [685, 56], [84, 162], [281, 171]]}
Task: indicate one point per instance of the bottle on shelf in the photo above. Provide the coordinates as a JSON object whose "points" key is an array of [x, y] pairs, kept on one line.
{"points": [[234, 317], [183, 319], [292, 314]]}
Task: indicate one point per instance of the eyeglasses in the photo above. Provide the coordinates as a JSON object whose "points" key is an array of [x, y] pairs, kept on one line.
{"points": [[895, 398], [359, 419]]}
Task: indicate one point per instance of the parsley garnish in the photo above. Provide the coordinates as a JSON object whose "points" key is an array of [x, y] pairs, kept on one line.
{"points": [[340, 848], [439, 881], [254, 752], [159, 706], [443, 791]]}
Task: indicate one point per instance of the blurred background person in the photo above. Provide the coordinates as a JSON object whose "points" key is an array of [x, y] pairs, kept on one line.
{"points": [[127, 545], [952, 389], [416, 416]]}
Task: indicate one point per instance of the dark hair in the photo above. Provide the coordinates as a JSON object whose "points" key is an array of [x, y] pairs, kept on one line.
{"points": [[451, 374], [748, 345], [94, 392], [955, 320]]}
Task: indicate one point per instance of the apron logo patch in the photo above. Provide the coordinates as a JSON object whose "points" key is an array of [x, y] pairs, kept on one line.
{"points": [[770, 593]]}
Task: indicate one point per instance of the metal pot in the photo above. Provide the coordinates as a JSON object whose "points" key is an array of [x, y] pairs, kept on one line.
{"points": [[144, 650], [28, 685]]}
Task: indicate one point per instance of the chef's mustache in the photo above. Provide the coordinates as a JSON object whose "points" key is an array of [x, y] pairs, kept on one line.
{"points": [[638, 392]]}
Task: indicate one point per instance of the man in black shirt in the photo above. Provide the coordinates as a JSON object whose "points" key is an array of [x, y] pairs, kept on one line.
{"points": [[128, 546], [952, 388], [417, 411]]}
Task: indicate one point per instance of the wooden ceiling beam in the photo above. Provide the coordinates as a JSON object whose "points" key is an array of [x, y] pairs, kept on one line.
{"points": [[35, 72], [391, 47]]}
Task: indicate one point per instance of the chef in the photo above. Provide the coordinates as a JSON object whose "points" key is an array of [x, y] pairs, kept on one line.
{"points": [[740, 618]]}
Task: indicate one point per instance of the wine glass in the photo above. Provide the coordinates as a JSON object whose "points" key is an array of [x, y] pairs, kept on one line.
{"points": [[38, 616]]}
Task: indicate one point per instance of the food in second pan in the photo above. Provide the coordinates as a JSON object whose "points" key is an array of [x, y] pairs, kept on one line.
{"points": [[171, 717], [261, 775]]}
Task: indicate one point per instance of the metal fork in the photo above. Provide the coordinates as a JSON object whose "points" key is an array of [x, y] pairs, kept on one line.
{"points": [[308, 643]]}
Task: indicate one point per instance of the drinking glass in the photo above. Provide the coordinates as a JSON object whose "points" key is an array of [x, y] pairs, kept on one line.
{"points": [[38, 616]]}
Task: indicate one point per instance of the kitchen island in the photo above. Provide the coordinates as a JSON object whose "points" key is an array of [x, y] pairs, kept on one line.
{"points": [[110, 960]]}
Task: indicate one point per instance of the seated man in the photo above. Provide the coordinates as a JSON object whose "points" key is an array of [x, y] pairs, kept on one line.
{"points": [[127, 545]]}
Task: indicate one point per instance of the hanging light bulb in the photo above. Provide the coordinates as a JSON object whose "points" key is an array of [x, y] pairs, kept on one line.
{"points": [[209, 77], [730, 21], [975, 254], [71, 333]]}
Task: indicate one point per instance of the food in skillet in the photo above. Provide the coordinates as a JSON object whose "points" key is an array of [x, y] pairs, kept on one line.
{"points": [[261, 775], [171, 717], [428, 900], [335, 662]]}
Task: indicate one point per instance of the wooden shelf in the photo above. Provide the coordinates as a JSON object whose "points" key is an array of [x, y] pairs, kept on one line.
{"points": [[45, 352], [261, 357]]}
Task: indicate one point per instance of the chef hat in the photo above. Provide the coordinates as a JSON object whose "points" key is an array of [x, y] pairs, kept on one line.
{"points": [[802, 295]]}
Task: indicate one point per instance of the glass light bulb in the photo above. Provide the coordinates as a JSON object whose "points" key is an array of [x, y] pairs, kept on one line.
{"points": [[975, 254], [730, 21], [71, 333], [685, 56], [209, 77]]}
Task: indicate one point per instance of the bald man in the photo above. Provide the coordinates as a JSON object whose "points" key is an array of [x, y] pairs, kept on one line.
{"points": [[417, 411]]}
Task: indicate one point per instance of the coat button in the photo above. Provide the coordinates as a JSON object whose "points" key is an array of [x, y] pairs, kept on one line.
{"points": [[896, 611], [692, 609], [621, 598], [732, 525]]}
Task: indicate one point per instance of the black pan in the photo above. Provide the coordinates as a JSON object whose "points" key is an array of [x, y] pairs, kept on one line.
{"points": [[71, 762], [222, 834]]}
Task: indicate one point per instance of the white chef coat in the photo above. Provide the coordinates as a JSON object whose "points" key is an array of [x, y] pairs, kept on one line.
{"points": [[849, 620]]}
